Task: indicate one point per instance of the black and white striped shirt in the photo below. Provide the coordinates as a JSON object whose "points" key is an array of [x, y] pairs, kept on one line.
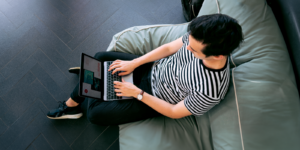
{"points": [[182, 76]]}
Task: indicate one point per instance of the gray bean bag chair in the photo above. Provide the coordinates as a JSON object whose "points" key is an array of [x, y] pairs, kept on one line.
{"points": [[261, 109]]}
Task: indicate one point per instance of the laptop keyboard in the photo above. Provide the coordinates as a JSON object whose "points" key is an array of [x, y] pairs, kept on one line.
{"points": [[111, 94]]}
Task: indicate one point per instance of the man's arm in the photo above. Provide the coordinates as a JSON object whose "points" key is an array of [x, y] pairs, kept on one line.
{"points": [[160, 52], [172, 111]]}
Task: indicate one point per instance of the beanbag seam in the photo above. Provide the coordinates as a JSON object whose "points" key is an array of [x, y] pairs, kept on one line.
{"points": [[144, 29]]}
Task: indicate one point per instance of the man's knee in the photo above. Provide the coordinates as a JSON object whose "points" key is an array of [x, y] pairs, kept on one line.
{"points": [[100, 55], [94, 117], [99, 117]]}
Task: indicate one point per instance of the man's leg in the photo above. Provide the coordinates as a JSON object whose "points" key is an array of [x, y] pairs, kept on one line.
{"points": [[95, 105], [120, 111], [117, 112]]}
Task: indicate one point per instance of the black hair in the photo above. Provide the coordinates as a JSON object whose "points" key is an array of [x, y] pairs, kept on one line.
{"points": [[220, 33]]}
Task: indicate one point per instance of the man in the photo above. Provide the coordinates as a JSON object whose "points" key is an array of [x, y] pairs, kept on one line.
{"points": [[187, 76]]}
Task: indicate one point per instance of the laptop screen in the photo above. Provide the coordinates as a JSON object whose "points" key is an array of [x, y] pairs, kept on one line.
{"points": [[90, 77]]}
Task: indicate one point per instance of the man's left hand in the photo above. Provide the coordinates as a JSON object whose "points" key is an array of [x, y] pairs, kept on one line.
{"points": [[126, 89]]}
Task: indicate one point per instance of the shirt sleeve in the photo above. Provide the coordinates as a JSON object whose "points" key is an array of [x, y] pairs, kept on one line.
{"points": [[185, 37], [198, 103]]}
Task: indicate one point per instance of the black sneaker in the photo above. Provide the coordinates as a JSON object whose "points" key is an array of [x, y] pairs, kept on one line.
{"points": [[65, 112], [75, 70]]}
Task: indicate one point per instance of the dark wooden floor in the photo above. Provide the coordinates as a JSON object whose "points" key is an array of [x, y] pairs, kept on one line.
{"points": [[39, 41]]}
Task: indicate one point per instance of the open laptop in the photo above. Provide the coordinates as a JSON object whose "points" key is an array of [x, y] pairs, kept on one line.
{"points": [[95, 81]]}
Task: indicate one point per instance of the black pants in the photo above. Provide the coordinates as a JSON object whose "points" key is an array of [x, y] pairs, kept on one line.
{"points": [[120, 111]]}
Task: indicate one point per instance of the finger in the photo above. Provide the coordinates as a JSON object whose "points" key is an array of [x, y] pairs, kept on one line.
{"points": [[116, 70], [118, 90], [119, 94], [115, 62], [123, 80], [112, 66], [117, 83], [117, 86], [112, 63], [123, 73], [115, 66]]}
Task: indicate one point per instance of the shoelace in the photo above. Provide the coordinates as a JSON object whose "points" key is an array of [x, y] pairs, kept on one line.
{"points": [[62, 106]]}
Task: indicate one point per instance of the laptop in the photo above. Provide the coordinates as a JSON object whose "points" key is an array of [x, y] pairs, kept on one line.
{"points": [[95, 81]]}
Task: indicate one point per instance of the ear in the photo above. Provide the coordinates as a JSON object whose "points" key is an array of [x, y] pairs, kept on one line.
{"points": [[219, 57]]}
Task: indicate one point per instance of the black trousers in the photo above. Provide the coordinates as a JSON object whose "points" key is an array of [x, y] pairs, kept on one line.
{"points": [[120, 111]]}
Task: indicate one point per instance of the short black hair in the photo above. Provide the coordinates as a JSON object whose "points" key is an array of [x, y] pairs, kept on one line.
{"points": [[221, 33]]}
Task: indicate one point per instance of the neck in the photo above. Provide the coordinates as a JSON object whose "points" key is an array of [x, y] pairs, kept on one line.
{"points": [[215, 64]]}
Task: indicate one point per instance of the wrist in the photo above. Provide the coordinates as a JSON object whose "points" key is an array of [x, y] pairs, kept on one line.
{"points": [[137, 92], [140, 95], [136, 62]]}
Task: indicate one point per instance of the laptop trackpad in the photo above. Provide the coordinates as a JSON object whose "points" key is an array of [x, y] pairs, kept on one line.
{"points": [[128, 78]]}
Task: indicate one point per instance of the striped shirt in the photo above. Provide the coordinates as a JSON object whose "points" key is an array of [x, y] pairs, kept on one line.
{"points": [[182, 76]]}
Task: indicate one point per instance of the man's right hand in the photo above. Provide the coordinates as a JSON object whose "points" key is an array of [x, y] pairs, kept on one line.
{"points": [[125, 66]]}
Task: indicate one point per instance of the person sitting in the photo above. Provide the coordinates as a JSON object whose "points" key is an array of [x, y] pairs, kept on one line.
{"points": [[187, 76]]}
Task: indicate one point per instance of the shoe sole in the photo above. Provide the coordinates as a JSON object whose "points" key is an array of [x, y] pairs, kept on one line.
{"points": [[67, 116], [75, 68]]}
